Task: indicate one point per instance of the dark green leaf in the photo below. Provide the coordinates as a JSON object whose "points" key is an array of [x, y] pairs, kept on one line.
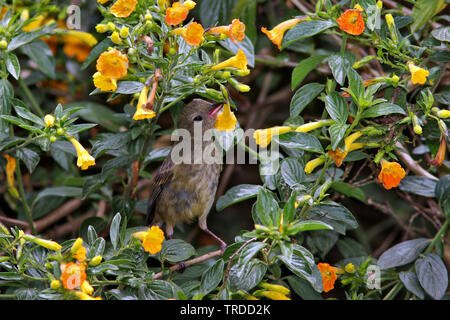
{"points": [[432, 275], [303, 288], [304, 30], [237, 194], [248, 276], [304, 96], [26, 114], [421, 186], [73, 192], [299, 140], [382, 109], [442, 34], [349, 190], [40, 53], [339, 64], [292, 172], [350, 248], [336, 107], [423, 11], [97, 113], [176, 250], [29, 158], [411, 282], [212, 277], [13, 65], [402, 253], [27, 37], [266, 208], [114, 230], [337, 132], [303, 68], [129, 87], [442, 189], [308, 225]]}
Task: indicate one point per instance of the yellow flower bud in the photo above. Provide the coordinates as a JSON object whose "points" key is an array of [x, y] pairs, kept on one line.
{"points": [[51, 245], [389, 19], [25, 15], [312, 164], [275, 287], [124, 32], [3, 44], [418, 129], [148, 16], [349, 268], [111, 26], [52, 138], [76, 245], [55, 284], [380, 4], [87, 288], [49, 120], [101, 28], [243, 87], [395, 78], [189, 4], [95, 261], [115, 37], [358, 7], [444, 114]]}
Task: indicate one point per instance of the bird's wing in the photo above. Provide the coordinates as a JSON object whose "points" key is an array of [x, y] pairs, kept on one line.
{"points": [[161, 177]]}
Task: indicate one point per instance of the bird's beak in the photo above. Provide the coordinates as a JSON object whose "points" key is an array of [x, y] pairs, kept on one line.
{"points": [[214, 109]]}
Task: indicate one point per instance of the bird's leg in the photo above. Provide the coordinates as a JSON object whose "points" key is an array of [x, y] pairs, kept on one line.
{"points": [[204, 227], [169, 230]]}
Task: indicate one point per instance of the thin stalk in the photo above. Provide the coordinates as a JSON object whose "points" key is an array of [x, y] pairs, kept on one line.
{"points": [[22, 196], [30, 97], [437, 236], [394, 291]]}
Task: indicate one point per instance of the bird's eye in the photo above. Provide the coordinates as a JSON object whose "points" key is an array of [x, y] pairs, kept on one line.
{"points": [[198, 118]]}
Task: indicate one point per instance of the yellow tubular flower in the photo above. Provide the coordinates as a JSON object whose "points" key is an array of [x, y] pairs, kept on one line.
{"points": [[101, 28], [51, 245], [76, 245], [239, 61], [313, 125], [338, 156], [277, 33], [236, 30], [87, 288], [85, 160], [80, 254], [312, 164], [88, 38], [275, 287], [83, 296], [263, 137], [192, 34], [380, 4], [112, 64], [443, 114], [389, 19], [142, 112], [274, 295], [418, 75], [10, 168], [226, 121]]}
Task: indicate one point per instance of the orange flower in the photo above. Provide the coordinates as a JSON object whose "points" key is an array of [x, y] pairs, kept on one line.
{"points": [[391, 173], [123, 8], [192, 34], [112, 64], [10, 168], [328, 276], [236, 30], [440, 154], [176, 14], [73, 275], [277, 33], [352, 22], [338, 156], [76, 48]]}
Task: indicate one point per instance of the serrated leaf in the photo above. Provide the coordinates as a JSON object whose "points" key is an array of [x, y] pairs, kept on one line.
{"points": [[304, 96], [336, 107], [339, 64], [212, 277], [382, 109]]}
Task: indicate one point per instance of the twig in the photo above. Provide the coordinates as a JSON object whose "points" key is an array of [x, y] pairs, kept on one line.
{"points": [[189, 263], [410, 163], [58, 214]]}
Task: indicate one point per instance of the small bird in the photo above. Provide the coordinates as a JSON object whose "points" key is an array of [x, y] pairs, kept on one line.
{"points": [[181, 192]]}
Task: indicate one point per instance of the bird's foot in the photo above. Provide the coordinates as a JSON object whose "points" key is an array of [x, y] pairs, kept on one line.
{"points": [[181, 266]]}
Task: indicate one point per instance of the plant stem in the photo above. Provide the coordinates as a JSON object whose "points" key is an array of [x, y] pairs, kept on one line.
{"points": [[24, 200], [391, 295], [437, 237], [30, 97]]}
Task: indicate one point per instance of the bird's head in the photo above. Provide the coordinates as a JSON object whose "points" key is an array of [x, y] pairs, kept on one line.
{"points": [[199, 111]]}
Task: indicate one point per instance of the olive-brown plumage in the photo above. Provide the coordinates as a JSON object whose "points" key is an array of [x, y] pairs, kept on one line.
{"points": [[181, 192]]}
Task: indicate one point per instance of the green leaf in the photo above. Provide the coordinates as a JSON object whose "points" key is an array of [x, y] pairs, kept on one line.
{"points": [[303, 288], [29, 158], [248, 276], [249, 251], [303, 68], [129, 87], [336, 107], [176, 250], [423, 11], [13, 65], [299, 140], [97, 113], [308, 225], [266, 208], [355, 82], [350, 248], [237, 194], [304, 96], [337, 132], [292, 172], [114, 230], [442, 34], [39, 52], [6, 93], [109, 141], [96, 51], [322, 241], [26, 37], [432, 275], [349, 190], [382, 109], [340, 64], [402, 253], [26, 114], [212, 277], [304, 30], [442, 189], [72, 192], [411, 282], [114, 164], [214, 12], [338, 216], [421, 186]]}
